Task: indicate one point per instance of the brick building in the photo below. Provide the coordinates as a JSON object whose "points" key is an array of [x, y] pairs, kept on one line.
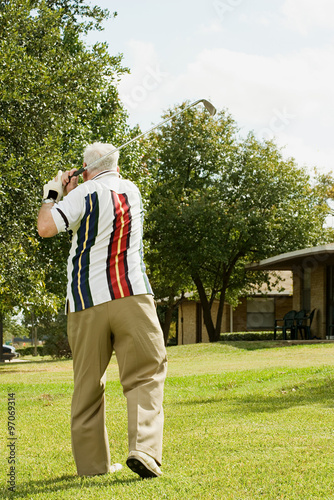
{"points": [[313, 283], [308, 276], [254, 313]]}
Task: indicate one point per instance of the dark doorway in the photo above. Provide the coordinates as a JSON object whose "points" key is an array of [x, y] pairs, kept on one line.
{"points": [[330, 303]]}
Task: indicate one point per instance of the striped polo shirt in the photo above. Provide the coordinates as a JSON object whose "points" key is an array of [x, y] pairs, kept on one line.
{"points": [[105, 217]]}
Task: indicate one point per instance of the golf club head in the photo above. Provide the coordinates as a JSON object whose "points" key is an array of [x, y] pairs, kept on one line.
{"points": [[209, 107]]}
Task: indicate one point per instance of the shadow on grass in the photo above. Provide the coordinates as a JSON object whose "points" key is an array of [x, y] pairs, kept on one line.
{"points": [[14, 366], [42, 360], [66, 482], [254, 345], [288, 396]]}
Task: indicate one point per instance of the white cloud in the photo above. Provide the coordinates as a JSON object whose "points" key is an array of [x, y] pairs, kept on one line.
{"points": [[139, 90], [264, 19], [213, 27], [143, 54], [306, 153], [289, 96], [261, 90], [253, 85], [303, 15]]}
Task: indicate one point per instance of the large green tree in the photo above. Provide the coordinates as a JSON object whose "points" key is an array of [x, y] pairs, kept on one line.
{"points": [[220, 201], [56, 95]]}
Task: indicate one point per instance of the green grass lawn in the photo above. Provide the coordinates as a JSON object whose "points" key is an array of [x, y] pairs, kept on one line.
{"points": [[243, 420]]}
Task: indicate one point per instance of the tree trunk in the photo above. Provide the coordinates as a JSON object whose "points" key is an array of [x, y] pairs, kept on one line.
{"points": [[206, 308], [34, 331], [226, 280], [220, 314], [167, 322], [171, 305]]}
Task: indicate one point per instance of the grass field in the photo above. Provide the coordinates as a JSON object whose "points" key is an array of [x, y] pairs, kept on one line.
{"points": [[243, 421]]}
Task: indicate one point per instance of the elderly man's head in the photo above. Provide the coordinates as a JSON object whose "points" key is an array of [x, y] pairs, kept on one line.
{"points": [[95, 151]]}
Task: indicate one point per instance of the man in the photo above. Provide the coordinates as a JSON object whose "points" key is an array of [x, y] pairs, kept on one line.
{"points": [[110, 308]]}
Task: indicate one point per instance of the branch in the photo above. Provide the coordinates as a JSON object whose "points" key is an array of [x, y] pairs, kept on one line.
{"points": [[178, 302]]}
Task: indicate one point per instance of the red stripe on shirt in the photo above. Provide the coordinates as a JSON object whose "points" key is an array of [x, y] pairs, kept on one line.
{"points": [[117, 263]]}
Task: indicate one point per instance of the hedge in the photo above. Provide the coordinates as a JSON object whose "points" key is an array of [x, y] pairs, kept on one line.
{"points": [[235, 336], [30, 350]]}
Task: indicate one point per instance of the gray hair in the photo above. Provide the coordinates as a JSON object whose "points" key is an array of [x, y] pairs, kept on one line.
{"points": [[95, 151]]}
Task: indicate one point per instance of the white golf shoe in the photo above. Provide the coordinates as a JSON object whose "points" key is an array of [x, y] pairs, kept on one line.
{"points": [[115, 468]]}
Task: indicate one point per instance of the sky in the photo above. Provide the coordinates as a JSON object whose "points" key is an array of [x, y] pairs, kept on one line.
{"points": [[269, 63]]}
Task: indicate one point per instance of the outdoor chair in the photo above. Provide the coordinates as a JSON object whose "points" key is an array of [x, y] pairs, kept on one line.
{"points": [[288, 324], [300, 317], [305, 328]]}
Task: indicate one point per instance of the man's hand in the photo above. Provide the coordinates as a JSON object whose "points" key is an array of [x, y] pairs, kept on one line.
{"points": [[54, 189], [68, 185]]}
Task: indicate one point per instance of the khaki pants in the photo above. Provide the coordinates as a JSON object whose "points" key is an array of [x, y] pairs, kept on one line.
{"points": [[130, 327]]}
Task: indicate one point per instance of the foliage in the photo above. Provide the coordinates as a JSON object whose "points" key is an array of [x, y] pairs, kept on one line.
{"points": [[14, 328], [52, 330], [247, 336], [168, 317], [30, 350], [57, 346], [221, 201], [57, 94]]}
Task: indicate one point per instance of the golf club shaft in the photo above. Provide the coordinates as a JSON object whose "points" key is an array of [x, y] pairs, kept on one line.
{"points": [[207, 104]]}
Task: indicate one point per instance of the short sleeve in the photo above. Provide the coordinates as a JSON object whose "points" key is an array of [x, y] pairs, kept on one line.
{"points": [[69, 211]]}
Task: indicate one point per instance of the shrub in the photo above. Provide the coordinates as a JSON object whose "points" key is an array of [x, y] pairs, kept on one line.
{"points": [[30, 350], [245, 336], [57, 346], [56, 343]]}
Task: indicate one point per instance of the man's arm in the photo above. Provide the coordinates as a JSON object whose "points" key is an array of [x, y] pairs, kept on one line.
{"points": [[46, 226]]}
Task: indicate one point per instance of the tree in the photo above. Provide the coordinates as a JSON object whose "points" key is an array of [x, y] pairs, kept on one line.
{"points": [[169, 287], [13, 327], [53, 330], [221, 201], [57, 94]]}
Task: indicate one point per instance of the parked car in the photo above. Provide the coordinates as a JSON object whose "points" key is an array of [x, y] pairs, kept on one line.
{"points": [[9, 352]]}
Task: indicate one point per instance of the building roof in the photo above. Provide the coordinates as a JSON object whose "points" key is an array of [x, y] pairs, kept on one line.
{"points": [[307, 257]]}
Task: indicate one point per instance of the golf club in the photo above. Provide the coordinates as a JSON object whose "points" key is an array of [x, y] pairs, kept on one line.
{"points": [[208, 106]]}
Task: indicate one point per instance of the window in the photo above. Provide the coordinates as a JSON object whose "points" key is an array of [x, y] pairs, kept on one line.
{"points": [[260, 314]]}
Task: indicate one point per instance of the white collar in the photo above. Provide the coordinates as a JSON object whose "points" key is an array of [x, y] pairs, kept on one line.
{"points": [[110, 172]]}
